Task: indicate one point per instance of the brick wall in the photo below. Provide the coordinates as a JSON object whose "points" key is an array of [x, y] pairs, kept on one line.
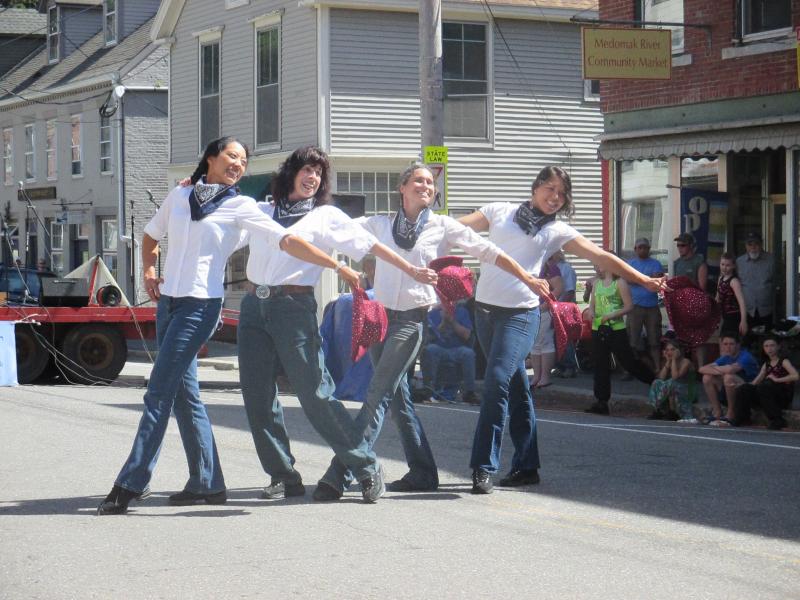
{"points": [[709, 77]]}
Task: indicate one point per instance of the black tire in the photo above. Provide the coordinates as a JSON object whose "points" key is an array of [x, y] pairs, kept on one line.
{"points": [[95, 353], [32, 355]]}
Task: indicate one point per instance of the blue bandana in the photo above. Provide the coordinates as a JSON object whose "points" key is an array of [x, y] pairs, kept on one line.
{"points": [[404, 232], [205, 198]]}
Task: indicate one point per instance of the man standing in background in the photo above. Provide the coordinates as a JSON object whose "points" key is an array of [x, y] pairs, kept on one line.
{"points": [[646, 312]]}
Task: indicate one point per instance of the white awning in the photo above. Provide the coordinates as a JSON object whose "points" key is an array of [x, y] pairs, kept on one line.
{"points": [[717, 141]]}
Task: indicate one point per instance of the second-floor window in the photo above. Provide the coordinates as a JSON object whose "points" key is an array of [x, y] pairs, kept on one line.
{"points": [[30, 152], [268, 97], [466, 99], [209, 93], [8, 156], [110, 18], [760, 17], [50, 149], [75, 139], [666, 11], [105, 145], [52, 34]]}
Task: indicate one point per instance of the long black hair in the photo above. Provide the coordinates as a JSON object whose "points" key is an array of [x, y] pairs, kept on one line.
{"points": [[549, 172], [213, 149], [283, 182]]}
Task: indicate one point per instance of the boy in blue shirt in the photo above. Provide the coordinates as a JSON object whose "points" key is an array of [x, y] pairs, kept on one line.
{"points": [[733, 368]]}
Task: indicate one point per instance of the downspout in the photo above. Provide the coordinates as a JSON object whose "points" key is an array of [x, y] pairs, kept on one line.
{"points": [[129, 239]]}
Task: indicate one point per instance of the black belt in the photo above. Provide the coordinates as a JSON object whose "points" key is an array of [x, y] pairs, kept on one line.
{"points": [[269, 291], [416, 315]]}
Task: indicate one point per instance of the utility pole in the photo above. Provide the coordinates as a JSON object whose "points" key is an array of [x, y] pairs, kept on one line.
{"points": [[431, 91]]}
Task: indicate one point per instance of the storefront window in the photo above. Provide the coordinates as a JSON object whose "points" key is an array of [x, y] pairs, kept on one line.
{"points": [[643, 207]]}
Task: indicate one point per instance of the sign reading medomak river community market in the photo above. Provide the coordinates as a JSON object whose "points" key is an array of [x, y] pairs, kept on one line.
{"points": [[616, 53]]}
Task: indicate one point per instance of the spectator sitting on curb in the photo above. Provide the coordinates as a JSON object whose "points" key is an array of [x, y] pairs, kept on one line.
{"points": [[772, 389], [733, 368], [669, 392], [449, 345]]}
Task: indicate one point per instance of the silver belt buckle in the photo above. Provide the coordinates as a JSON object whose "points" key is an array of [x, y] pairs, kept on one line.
{"points": [[263, 292]]}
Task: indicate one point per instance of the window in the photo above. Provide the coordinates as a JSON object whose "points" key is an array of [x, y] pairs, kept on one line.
{"points": [[108, 228], [30, 154], [765, 17], [50, 149], [591, 90], [8, 157], [668, 11], [268, 100], [466, 100], [57, 246], [209, 93], [643, 207], [379, 189], [105, 145], [77, 166], [110, 18], [52, 34]]}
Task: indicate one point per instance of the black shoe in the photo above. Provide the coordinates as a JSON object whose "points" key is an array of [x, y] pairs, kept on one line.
{"points": [[326, 493], [186, 498], [373, 487], [481, 482], [518, 478], [656, 415], [472, 398], [280, 489], [598, 408], [406, 485], [116, 503]]}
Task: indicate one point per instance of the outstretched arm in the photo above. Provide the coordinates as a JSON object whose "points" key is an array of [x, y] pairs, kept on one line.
{"points": [[420, 274], [301, 249]]}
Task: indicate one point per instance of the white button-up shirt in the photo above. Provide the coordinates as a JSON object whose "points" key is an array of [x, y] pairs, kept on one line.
{"points": [[327, 227], [499, 288], [396, 290], [199, 250]]}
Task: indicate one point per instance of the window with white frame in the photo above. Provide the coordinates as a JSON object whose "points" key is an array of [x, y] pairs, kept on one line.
{"points": [[381, 195], [30, 152], [765, 18], [108, 231], [8, 156], [466, 99], [591, 90], [50, 148], [57, 246], [75, 141], [53, 34], [105, 145], [110, 20], [667, 11], [209, 92], [268, 96]]}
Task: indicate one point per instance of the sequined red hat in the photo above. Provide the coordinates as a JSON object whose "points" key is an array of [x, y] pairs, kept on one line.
{"points": [[567, 324], [369, 324], [455, 281], [694, 315]]}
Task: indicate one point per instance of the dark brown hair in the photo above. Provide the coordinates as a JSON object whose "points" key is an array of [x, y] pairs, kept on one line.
{"points": [[283, 182]]}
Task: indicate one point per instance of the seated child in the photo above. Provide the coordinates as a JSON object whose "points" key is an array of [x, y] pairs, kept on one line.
{"points": [[669, 392]]}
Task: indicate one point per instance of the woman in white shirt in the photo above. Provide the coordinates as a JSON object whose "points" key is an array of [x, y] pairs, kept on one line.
{"points": [[205, 224], [507, 319], [418, 235], [278, 326]]}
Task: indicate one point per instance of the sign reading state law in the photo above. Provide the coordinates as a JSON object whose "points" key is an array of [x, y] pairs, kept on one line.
{"points": [[627, 53]]}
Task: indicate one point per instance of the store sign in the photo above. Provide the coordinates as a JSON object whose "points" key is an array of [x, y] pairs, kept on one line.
{"points": [[627, 53], [436, 158], [797, 32], [39, 193], [704, 214]]}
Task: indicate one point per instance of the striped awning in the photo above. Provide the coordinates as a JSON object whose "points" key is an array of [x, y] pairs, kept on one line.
{"points": [[716, 141]]}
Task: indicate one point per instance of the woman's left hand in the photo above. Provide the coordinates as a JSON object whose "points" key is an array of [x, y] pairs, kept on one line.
{"points": [[350, 276], [425, 275], [185, 182], [657, 284]]}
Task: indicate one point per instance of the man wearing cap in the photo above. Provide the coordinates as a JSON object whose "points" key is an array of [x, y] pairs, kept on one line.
{"points": [[755, 269], [689, 263], [646, 312]]}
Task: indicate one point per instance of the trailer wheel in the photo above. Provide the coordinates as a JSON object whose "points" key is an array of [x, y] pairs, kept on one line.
{"points": [[32, 356], [95, 353]]}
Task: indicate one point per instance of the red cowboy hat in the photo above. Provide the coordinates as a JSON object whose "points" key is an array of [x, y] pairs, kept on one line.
{"points": [[694, 315], [369, 324], [455, 281]]}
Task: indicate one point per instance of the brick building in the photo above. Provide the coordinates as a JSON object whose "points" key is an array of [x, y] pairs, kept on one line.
{"points": [[715, 150]]}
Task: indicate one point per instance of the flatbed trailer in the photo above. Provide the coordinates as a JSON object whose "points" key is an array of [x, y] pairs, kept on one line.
{"points": [[85, 344]]}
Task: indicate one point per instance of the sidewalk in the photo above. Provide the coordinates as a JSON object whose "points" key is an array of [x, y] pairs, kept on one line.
{"points": [[219, 369]]}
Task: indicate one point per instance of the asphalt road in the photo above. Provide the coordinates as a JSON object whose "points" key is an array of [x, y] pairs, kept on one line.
{"points": [[626, 509]]}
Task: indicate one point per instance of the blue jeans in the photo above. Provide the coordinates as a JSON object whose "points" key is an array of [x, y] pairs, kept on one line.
{"points": [[283, 330], [506, 335], [391, 360], [183, 325], [435, 357]]}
